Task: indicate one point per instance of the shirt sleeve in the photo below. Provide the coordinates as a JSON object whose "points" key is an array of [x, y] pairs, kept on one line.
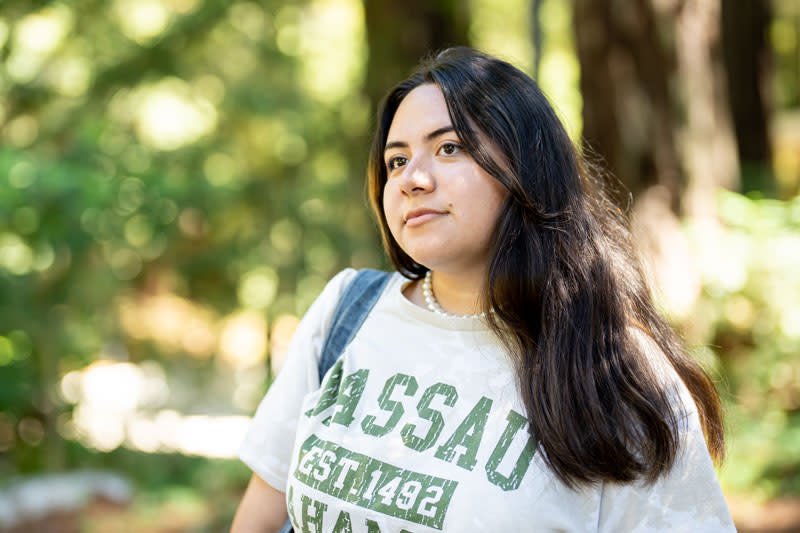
{"points": [[688, 497], [268, 443]]}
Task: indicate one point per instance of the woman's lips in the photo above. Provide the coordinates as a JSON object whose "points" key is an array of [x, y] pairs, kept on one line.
{"points": [[417, 217]]}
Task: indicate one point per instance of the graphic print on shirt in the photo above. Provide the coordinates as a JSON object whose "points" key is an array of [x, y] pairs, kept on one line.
{"points": [[394, 491], [373, 484]]}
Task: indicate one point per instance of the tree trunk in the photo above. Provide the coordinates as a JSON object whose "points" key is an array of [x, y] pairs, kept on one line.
{"points": [[709, 146], [628, 113], [656, 108], [594, 42], [537, 36], [746, 56], [400, 34]]}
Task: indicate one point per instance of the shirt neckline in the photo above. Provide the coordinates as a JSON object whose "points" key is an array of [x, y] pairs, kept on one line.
{"points": [[457, 323]]}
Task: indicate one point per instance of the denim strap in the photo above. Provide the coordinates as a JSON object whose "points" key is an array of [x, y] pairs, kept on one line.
{"points": [[357, 301], [353, 308]]}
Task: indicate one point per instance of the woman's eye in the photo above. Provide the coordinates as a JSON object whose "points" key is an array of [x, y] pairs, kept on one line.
{"points": [[395, 163], [450, 148]]}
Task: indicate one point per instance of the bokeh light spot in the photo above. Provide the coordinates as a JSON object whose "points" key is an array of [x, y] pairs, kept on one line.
{"points": [[22, 175], [321, 256], [740, 312], [285, 235], [174, 323], [141, 20], [220, 169], [6, 351], [314, 210], [210, 88], [138, 231], [169, 117], [43, 31], [790, 322], [257, 288], [130, 196], [126, 264], [23, 345], [22, 131], [45, 257], [167, 210], [497, 28], [192, 223], [250, 19], [243, 341], [36, 37], [15, 254], [333, 47], [72, 76], [288, 39], [291, 148], [330, 168], [70, 387], [31, 431]]}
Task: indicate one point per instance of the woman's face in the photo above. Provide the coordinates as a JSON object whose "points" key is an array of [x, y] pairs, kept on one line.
{"points": [[440, 205]]}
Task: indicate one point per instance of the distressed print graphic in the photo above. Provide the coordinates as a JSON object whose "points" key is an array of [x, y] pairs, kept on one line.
{"points": [[373, 484]]}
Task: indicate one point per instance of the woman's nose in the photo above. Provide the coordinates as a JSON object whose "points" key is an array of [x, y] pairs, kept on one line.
{"points": [[418, 178]]}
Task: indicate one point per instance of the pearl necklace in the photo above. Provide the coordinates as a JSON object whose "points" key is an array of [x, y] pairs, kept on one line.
{"points": [[433, 304]]}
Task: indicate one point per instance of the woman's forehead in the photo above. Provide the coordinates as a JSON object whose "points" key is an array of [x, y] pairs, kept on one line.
{"points": [[422, 111]]}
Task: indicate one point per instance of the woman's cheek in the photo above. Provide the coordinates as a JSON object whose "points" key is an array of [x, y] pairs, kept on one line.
{"points": [[390, 209]]}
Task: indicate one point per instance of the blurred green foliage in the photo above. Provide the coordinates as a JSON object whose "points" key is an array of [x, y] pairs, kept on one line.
{"points": [[183, 148], [749, 315]]}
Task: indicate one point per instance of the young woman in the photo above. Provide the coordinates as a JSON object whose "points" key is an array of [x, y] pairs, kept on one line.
{"points": [[514, 374]]}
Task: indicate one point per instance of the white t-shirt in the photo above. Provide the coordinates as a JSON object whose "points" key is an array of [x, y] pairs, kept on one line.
{"points": [[419, 427]]}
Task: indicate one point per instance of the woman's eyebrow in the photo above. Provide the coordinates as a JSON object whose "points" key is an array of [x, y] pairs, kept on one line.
{"points": [[429, 137]]}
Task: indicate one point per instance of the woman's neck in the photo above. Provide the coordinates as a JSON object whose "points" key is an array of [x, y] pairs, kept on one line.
{"points": [[455, 294]]}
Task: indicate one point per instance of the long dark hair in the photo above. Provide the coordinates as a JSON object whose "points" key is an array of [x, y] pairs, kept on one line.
{"points": [[568, 297]]}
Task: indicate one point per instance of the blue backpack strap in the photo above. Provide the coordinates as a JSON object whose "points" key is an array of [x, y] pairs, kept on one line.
{"points": [[355, 304]]}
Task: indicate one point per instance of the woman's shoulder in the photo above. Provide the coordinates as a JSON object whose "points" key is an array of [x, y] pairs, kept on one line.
{"points": [[338, 284], [327, 301]]}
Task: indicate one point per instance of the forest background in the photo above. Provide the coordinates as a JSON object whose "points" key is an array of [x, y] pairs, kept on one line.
{"points": [[180, 178]]}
